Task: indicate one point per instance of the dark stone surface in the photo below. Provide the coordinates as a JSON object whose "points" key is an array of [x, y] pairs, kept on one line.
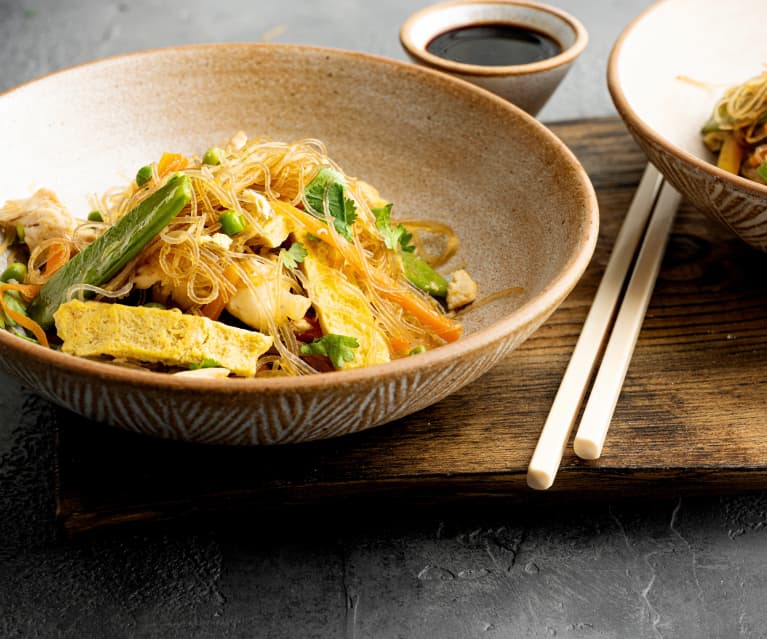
{"points": [[654, 568], [651, 568]]}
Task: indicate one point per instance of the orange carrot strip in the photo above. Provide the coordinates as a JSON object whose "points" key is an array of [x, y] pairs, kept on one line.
{"points": [[446, 328], [22, 320], [170, 162], [58, 255], [27, 290], [214, 309], [399, 344]]}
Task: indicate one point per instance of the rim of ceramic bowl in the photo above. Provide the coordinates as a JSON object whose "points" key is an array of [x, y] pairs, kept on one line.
{"points": [[632, 117], [565, 57], [547, 298]]}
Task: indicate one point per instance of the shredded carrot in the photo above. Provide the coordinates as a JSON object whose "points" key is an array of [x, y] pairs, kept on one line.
{"points": [[446, 328], [399, 344], [170, 162], [29, 291], [58, 255], [214, 309]]}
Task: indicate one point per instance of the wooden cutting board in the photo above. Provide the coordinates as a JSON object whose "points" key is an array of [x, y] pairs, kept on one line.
{"points": [[691, 417]]}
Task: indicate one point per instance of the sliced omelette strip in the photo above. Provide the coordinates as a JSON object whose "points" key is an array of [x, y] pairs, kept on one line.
{"points": [[156, 335], [341, 306]]}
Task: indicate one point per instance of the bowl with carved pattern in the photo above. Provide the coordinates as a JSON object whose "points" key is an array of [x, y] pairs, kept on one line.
{"points": [[666, 73], [519, 201]]}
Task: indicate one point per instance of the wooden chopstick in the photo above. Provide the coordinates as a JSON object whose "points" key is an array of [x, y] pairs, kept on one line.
{"points": [[590, 438], [559, 423]]}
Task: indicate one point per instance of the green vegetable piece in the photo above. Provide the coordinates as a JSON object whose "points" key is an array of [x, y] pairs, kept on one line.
{"points": [[213, 156], [295, 254], [15, 271], [762, 171], [144, 174], [232, 222], [395, 238], [95, 216], [338, 348], [326, 196], [420, 274], [20, 234], [101, 260], [208, 362], [417, 350], [14, 303]]}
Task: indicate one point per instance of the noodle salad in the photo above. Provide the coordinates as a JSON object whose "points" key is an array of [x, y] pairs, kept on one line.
{"points": [[737, 130], [260, 258]]}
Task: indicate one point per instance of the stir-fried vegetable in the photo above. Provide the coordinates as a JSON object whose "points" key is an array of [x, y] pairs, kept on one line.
{"points": [[103, 259], [257, 259], [737, 130]]}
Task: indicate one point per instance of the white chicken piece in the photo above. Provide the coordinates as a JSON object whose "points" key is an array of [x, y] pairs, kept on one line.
{"points": [[268, 297], [272, 227], [461, 290], [42, 215], [238, 140]]}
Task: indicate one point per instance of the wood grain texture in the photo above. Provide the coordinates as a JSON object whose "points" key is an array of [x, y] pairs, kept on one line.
{"points": [[690, 419]]}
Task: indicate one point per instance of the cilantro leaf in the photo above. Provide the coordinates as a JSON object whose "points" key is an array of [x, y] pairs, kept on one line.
{"points": [[295, 254], [336, 347], [394, 237], [329, 187]]}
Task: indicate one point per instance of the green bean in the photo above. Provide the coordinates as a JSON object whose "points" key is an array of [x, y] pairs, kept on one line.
{"points": [[101, 260], [420, 274]]}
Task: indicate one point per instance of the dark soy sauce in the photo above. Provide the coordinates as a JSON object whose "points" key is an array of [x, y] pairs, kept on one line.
{"points": [[494, 45]]}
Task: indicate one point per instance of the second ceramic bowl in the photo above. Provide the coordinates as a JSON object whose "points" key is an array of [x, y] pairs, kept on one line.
{"points": [[528, 85]]}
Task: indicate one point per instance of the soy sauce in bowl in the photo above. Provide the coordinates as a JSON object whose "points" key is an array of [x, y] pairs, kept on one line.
{"points": [[497, 44]]}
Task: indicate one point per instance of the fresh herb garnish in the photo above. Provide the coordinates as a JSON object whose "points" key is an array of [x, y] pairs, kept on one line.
{"points": [[338, 348], [395, 238], [295, 254], [329, 187]]}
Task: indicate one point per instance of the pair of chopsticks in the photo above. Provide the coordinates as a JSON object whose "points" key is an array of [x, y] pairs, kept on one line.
{"points": [[658, 201]]}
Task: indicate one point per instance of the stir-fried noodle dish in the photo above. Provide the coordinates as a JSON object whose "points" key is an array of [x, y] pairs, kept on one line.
{"points": [[737, 130], [260, 258]]}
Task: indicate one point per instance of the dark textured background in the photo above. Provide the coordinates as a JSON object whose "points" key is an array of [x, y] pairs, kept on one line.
{"points": [[642, 568]]}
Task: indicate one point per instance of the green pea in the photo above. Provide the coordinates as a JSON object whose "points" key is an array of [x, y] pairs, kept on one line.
{"points": [[213, 156], [95, 216], [232, 222], [418, 350], [15, 271], [144, 174]]}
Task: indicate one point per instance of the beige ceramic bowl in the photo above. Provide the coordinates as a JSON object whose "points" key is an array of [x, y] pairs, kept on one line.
{"points": [[438, 148], [665, 74], [529, 86]]}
